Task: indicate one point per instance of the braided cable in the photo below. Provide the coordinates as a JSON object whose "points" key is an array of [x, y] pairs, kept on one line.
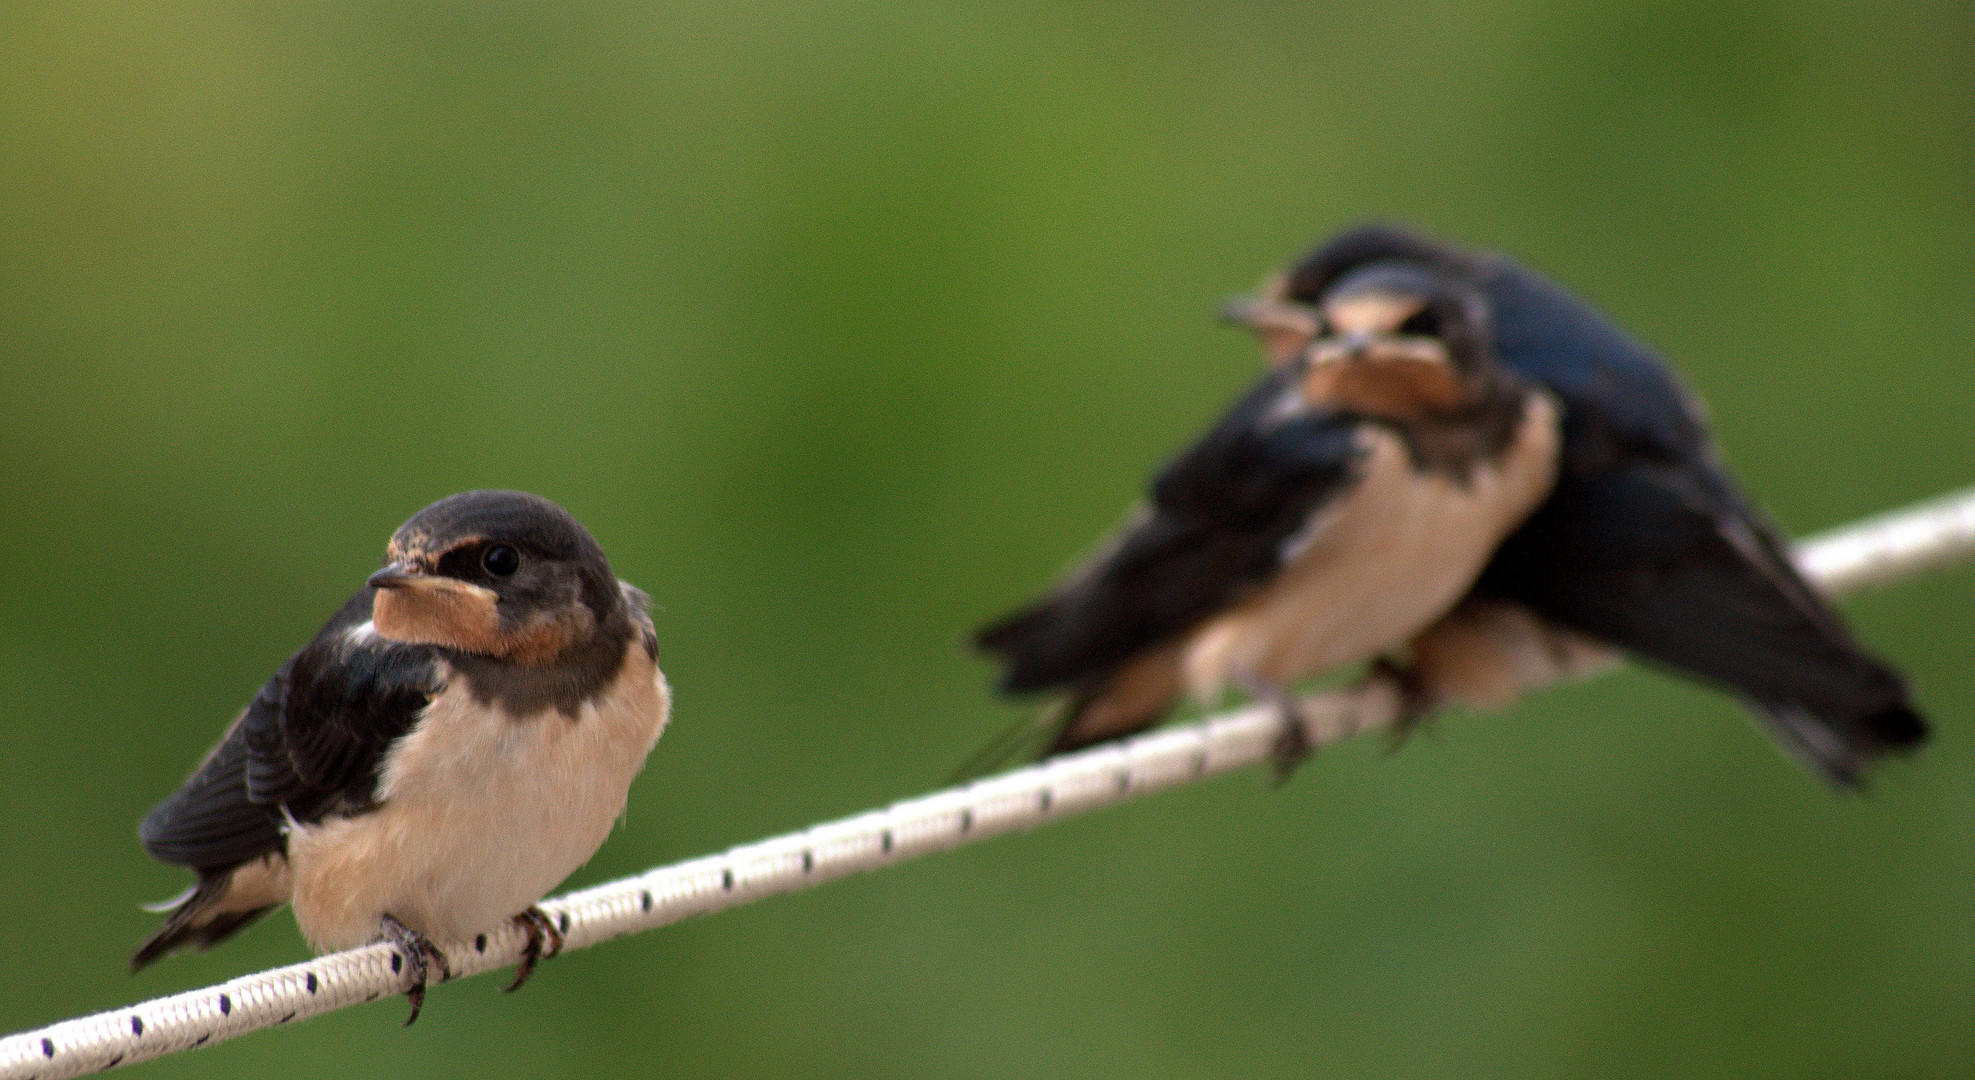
{"points": [[1877, 551]]}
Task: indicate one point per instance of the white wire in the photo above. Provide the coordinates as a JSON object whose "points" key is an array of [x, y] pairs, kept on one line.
{"points": [[1876, 551], [1893, 546]]}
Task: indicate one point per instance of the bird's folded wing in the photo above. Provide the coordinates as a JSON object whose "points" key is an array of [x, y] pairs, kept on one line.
{"points": [[1220, 517], [311, 741]]}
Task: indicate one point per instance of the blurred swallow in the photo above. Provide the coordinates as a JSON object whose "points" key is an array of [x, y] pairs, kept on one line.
{"points": [[456, 742], [1344, 503], [1645, 545]]}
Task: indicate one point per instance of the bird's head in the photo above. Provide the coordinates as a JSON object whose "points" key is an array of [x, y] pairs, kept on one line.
{"points": [[1391, 338], [1401, 340], [496, 573]]}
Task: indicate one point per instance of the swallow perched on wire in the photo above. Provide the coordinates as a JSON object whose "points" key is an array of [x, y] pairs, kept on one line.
{"points": [[453, 744], [1344, 503], [1646, 545]]}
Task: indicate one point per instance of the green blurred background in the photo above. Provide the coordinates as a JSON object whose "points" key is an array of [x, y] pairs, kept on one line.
{"points": [[843, 330]]}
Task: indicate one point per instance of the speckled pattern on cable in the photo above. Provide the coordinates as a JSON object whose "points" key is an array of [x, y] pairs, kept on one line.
{"points": [[1877, 551]]}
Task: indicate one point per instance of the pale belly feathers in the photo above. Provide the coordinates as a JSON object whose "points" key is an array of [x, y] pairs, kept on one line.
{"points": [[480, 814], [1376, 565]]}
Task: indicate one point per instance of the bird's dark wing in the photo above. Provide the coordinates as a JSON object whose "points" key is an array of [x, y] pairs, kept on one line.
{"points": [[1621, 403], [209, 822], [1646, 542], [309, 743], [1216, 525], [1641, 557], [1649, 544]]}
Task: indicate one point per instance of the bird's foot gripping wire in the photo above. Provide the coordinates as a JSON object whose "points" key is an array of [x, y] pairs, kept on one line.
{"points": [[1414, 699], [1293, 744], [1391, 695], [420, 957], [540, 928]]}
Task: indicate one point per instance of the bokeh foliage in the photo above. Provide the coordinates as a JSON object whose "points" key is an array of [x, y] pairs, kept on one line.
{"points": [[843, 330]]}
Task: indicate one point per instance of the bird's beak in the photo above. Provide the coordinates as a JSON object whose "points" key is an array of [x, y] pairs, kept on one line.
{"points": [[1267, 315], [1286, 329], [398, 575], [418, 607]]}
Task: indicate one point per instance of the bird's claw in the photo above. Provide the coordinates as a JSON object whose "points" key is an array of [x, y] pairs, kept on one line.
{"points": [[420, 957], [1415, 699], [1292, 746], [539, 927]]}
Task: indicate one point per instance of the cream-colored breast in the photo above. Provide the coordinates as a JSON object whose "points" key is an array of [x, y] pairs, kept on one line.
{"points": [[1486, 653], [480, 813], [1378, 563]]}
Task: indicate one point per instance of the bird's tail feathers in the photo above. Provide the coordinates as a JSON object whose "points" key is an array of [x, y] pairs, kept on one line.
{"points": [[1026, 739], [1026, 642], [1898, 729], [1111, 705], [199, 919], [1840, 751]]}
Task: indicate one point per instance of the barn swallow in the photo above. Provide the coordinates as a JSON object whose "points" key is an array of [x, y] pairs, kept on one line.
{"points": [[453, 744], [1645, 546], [1347, 501]]}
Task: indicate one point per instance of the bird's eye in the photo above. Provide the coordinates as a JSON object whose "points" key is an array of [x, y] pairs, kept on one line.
{"points": [[500, 560], [1422, 323]]}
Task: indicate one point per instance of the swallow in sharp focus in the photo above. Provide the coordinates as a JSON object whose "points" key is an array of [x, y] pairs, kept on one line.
{"points": [[1344, 503], [1645, 545], [456, 742]]}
